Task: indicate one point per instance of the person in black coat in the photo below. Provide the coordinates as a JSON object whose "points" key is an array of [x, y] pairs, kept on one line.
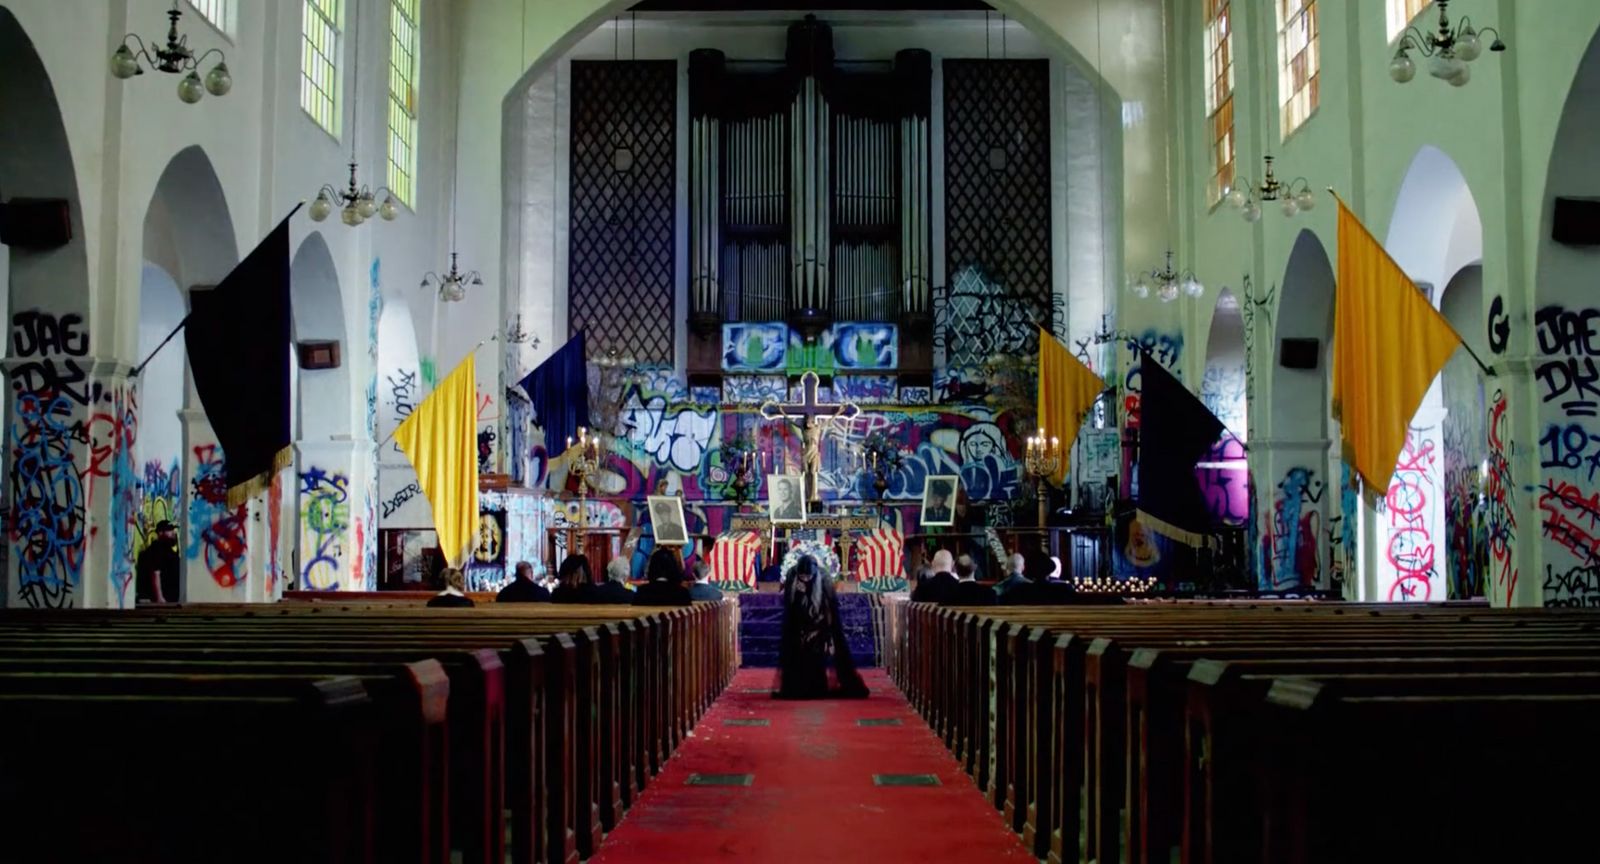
{"points": [[157, 568], [935, 588], [571, 578], [1016, 579], [968, 591], [1039, 591], [702, 589], [522, 588], [665, 587], [454, 593], [612, 591]]}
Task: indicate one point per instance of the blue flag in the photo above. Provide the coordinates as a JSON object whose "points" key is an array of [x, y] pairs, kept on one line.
{"points": [[559, 393], [1176, 430]]}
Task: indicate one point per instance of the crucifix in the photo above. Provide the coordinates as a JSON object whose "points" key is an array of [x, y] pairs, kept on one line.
{"points": [[816, 421]]}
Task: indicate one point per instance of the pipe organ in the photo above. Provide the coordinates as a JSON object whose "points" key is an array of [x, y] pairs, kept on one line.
{"points": [[810, 192]]}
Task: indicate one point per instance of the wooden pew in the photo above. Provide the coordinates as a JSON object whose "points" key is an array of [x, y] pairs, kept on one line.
{"points": [[246, 791], [1080, 706]]}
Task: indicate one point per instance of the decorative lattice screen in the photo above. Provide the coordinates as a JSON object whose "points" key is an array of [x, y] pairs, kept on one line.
{"points": [[997, 206], [620, 265]]}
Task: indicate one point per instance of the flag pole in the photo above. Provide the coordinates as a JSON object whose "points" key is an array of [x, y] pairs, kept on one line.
{"points": [[139, 369], [1487, 369], [492, 337]]}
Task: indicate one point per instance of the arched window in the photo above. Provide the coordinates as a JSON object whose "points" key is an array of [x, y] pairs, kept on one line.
{"points": [[404, 68], [1299, 61], [1400, 13], [1219, 96], [320, 28]]}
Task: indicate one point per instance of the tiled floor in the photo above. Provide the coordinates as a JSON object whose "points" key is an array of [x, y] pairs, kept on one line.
{"points": [[825, 781]]}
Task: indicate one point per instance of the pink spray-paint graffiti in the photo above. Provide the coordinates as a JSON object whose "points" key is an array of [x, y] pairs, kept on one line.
{"points": [[113, 430], [216, 533], [1410, 550], [1569, 453], [1501, 516]]}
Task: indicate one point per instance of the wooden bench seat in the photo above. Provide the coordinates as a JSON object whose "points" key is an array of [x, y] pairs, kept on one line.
{"points": [[133, 774]]}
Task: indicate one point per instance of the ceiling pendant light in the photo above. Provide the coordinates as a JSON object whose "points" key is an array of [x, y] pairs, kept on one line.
{"points": [[1448, 51], [357, 204], [1168, 283], [453, 284], [1294, 195], [175, 58]]}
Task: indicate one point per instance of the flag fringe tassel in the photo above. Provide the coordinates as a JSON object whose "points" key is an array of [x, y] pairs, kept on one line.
{"points": [[258, 484], [1173, 532]]}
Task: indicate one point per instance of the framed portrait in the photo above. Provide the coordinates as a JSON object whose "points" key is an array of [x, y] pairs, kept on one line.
{"points": [[786, 499], [666, 520], [939, 500]]}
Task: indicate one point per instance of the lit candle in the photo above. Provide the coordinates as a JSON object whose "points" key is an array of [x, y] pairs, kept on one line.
{"points": [[569, 442]]}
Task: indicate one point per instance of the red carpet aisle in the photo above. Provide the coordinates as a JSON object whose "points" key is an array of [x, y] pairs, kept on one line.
{"points": [[811, 794]]}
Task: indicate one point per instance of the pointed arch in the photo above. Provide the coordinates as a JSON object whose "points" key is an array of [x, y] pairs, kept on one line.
{"points": [[322, 395]]}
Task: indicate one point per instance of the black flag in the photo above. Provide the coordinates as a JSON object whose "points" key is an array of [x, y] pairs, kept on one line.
{"points": [[1176, 430], [238, 340]]}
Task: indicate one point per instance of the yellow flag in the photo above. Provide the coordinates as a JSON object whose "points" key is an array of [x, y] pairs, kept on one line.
{"points": [[1067, 388], [441, 440], [1389, 344]]}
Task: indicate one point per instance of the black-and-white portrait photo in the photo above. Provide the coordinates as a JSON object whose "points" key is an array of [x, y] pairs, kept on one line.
{"points": [[939, 500], [666, 518], [786, 500]]}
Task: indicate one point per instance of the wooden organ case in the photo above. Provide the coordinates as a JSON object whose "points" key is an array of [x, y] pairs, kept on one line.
{"points": [[810, 197]]}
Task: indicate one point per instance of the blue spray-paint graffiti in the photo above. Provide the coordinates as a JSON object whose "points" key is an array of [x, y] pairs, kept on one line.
{"points": [[1293, 537], [47, 498], [324, 528]]}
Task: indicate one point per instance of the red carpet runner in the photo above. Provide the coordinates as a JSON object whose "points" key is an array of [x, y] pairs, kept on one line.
{"points": [[811, 794]]}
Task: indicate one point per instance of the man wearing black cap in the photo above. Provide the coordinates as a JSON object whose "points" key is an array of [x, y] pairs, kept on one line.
{"points": [[158, 567]]}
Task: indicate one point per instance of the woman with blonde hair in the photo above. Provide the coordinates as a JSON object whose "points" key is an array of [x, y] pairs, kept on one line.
{"points": [[455, 588]]}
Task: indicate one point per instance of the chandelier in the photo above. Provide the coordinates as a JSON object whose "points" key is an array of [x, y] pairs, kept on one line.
{"points": [[356, 204], [1448, 51], [452, 285], [1168, 283], [1246, 196], [175, 58]]}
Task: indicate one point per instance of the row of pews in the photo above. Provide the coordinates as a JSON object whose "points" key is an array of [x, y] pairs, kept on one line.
{"points": [[1284, 733], [343, 732]]}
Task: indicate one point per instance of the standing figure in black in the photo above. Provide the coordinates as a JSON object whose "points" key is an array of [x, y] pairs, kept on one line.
{"points": [[157, 568], [812, 632]]}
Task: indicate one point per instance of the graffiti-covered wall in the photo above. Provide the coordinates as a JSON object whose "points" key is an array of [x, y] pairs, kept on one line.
{"points": [[1568, 340]]}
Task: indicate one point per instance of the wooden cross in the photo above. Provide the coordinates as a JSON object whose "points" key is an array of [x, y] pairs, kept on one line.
{"points": [[816, 419]]}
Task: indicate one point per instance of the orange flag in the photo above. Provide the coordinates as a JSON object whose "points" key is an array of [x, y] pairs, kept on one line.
{"points": [[1067, 388], [1389, 343]]}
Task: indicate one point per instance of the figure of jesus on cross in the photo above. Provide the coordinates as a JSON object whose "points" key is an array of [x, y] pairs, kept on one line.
{"points": [[817, 420]]}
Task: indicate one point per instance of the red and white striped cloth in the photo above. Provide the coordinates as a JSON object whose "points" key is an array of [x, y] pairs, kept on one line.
{"points": [[878, 554], [733, 559]]}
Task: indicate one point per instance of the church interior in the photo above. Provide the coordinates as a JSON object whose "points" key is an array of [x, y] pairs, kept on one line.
{"points": [[1152, 399]]}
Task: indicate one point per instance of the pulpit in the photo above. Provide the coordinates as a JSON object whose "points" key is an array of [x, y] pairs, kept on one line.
{"points": [[600, 545]]}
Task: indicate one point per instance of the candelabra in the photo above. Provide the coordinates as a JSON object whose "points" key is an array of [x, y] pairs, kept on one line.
{"points": [[1043, 459], [584, 464], [742, 463]]}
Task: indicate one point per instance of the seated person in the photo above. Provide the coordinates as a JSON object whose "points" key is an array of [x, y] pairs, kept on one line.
{"points": [[570, 579], [938, 586], [614, 589], [665, 587], [455, 590], [1039, 591], [522, 588], [702, 589], [968, 591], [1016, 579]]}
